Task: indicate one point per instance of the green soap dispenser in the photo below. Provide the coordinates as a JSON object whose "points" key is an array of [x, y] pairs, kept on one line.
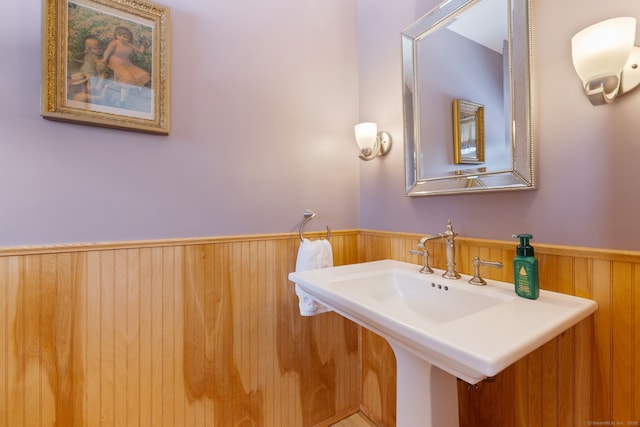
{"points": [[525, 268]]}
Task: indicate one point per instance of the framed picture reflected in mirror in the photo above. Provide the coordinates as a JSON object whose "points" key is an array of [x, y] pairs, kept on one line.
{"points": [[468, 132]]}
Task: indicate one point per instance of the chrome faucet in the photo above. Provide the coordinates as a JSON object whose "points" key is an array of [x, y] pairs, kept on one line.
{"points": [[449, 237], [425, 253]]}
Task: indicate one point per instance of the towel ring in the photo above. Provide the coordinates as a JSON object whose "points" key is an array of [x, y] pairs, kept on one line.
{"points": [[308, 216]]}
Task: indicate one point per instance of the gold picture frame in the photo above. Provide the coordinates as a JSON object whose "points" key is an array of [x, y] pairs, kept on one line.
{"points": [[106, 63], [468, 132]]}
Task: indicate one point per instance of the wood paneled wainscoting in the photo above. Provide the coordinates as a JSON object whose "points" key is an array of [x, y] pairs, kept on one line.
{"points": [[589, 375], [182, 333], [206, 332]]}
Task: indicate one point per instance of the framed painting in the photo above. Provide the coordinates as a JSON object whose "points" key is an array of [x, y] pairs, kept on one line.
{"points": [[468, 132], [106, 63]]}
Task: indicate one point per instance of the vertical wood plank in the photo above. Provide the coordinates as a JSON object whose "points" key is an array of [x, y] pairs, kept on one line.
{"points": [[635, 376], [133, 337], [565, 356], [508, 265], [54, 342], [179, 336], [278, 384], [5, 362], [121, 319], [549, 375], [373, 377], [157, 268], [79, 283], [622, 338], [145, 333], [254, 283], [211, 312], [107, 341], [94, 341], [191, 337], [17, 405], [189, 308], [566, 378], [464, 259], [508, 396], [15, 402], [602, 352], [239, 312], [535, 384], [291, 364], [583, 358], [505, 273], [521, 398], [269, 359], [465, 413], [266, 255], [495, 395], [70, 336], [31, 349], [169, 344]]}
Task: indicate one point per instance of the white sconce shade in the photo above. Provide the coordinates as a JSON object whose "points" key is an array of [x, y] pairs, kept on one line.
{"points": [[371, 142], [600, 53], [366, 135]]}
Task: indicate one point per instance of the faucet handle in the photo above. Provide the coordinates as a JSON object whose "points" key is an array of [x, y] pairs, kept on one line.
{"points": [[425, 257], [477, 262]]}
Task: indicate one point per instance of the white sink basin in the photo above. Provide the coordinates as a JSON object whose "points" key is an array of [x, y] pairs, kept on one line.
{"points": [[396, 290], [467, 331], [472, 332]]}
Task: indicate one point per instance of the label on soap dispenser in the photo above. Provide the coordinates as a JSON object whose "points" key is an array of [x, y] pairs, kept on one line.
{"points": [[523, 280]]}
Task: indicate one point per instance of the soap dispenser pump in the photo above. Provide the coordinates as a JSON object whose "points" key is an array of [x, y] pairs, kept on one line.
{"points": [[525, 268]]}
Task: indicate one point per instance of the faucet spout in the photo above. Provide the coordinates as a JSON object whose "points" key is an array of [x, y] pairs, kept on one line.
{"points": [[449, 237], [425, 239], [424, 252]]}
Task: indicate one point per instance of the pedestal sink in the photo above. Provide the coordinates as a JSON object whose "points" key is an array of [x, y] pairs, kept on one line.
{"points": [[441, 329]]}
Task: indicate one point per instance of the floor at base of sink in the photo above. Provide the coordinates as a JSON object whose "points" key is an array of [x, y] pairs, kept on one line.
{"points": [[355, 420]]}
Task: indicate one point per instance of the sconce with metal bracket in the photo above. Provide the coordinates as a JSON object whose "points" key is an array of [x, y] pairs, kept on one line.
{"points": [[371, 142], [606, 59]]}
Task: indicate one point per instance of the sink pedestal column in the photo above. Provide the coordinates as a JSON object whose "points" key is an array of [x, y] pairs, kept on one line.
{"points": [[427, 396]]}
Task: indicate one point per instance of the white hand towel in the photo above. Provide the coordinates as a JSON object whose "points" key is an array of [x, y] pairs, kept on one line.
{"points": [[312, 255]]}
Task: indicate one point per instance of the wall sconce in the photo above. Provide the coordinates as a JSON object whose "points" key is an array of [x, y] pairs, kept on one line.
{"points": [[606, 59], [371, 142]]}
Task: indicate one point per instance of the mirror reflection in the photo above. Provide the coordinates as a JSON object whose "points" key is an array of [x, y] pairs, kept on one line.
{"points": [[468, 132], [468, 59]]}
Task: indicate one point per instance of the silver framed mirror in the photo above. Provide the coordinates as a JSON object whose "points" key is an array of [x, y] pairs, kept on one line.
{"points": [[476, 52]]}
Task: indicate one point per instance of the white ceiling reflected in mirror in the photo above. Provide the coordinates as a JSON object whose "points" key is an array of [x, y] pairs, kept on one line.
{"points": [[475, 52]]}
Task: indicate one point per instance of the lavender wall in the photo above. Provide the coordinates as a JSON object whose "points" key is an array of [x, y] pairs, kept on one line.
{"points": [[588, 193], [264, 98]]}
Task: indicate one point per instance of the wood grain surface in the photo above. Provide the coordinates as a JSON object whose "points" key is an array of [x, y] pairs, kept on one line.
{"points": [[206, 332]]}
